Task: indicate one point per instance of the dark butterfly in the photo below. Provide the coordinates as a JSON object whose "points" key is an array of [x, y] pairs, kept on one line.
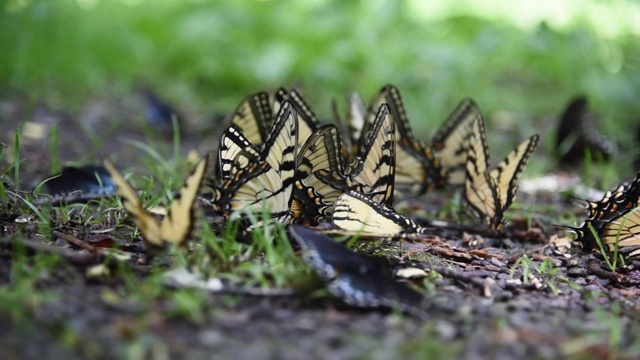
{"points": [[356, 279], [159, 113], [577, 134], [88, 179]]}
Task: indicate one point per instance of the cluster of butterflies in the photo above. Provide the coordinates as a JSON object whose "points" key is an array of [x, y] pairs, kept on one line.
{"points": [[276, 157], [277, 160]]}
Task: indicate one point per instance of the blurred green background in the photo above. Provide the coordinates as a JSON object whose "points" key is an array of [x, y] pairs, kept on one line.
{"points": [[520, 60]]}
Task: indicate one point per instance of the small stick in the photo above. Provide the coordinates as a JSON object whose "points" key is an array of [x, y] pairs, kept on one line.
{"points": [[74, 240]]}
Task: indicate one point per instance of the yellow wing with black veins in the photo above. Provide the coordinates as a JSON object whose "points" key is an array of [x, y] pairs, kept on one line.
{"points": [[177, 226]]}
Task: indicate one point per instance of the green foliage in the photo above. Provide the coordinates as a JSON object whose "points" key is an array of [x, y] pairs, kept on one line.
{"points": [[209, 54], [539, 275], [22, 297]]}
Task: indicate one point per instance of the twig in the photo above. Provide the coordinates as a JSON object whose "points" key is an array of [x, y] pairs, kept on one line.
{"points": [[74, 240], [74, 257], [72, 198]]}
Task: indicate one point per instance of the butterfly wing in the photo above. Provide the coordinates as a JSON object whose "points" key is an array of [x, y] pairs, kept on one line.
{"points": [[233, 142], [449, 141], [356, 279], [253, 116], [508, 171], [417, 168], [356, 213], [481, 197], [263, 183], [577, 133], [307, 120], [280, 151], [489, 194], [377, 170], [607, 217], [623, 230], [318, 162], [149, 226], [176, 227], [356, 117]]}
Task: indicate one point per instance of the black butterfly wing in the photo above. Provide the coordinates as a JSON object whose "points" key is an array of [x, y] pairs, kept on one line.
{"points": [[87, 179], [356, 279], [576, 134]]}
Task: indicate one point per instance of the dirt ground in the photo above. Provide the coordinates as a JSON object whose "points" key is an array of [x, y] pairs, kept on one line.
{"points": [[479, 305]]}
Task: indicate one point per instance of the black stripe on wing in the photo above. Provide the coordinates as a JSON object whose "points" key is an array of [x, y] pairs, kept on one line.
{"points": [[375, 175], [253, 117], [449, 142], [418, 170], [319, 175], [356, 213], [266, 182], [487, 194]]}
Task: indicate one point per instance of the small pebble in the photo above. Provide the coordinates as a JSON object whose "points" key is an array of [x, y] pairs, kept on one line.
{"points": [[577, 271], [496, 262]]}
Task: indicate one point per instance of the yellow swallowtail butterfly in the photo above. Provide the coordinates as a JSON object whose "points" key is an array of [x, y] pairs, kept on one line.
{"points": [[487, 194], [176, 227]]}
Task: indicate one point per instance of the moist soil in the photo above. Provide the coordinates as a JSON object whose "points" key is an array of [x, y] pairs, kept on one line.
{"points": [[486, 302]]}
